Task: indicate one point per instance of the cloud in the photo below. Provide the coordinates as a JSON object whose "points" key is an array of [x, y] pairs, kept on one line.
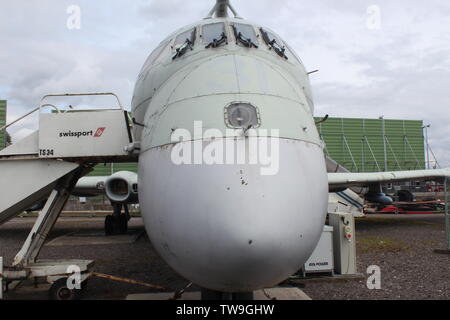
{"points": [[401, 70]]}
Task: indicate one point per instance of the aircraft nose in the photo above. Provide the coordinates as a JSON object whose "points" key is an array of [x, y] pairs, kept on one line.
{"points": [[229, 228]]}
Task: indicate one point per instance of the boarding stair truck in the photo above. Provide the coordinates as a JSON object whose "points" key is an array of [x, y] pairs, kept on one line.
{"points": [[48, 164]]}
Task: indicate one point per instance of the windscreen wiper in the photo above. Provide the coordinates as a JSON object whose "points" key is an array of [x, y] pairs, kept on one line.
{"points": [[246, 42], [278, 49], [217, 43], [273, 44], [182, 50], [240, 38]]}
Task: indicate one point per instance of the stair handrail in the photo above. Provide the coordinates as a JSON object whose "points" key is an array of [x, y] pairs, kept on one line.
{"points": [[27, 114], [84, 95], [58, 110]]}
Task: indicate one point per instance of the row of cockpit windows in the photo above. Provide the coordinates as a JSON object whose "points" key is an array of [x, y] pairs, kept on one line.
{"points": [[214, 35]]}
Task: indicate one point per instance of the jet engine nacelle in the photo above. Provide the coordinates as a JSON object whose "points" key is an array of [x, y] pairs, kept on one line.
{"points": [[122, 187]]}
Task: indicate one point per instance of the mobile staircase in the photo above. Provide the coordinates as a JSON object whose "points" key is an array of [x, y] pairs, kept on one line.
{"points": [[47, 165]]}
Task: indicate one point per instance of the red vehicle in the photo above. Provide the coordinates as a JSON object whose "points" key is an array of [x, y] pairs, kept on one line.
{"points": [[424, 207]]}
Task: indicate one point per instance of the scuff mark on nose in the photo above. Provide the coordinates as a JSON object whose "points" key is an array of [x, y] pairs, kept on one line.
{"points": [[167, 248]]}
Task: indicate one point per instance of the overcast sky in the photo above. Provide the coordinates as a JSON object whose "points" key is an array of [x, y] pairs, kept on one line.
{"points": [[389, 57]]}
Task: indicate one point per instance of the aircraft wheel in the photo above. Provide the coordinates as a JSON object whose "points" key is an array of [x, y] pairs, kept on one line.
{"points": [[243, 296], [60, 291], [224, 296], [84, 286], [208, 295], [116, 224], [123, 224], [109, 225]]}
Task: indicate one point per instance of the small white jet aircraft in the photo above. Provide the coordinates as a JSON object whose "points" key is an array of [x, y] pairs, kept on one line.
{"points": [[231, 227]]}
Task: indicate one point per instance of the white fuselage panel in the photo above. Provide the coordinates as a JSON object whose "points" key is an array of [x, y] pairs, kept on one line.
{"points": [[227, 227]]}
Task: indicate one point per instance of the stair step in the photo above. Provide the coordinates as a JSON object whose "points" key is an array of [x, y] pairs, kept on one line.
{"points": [[28, 146], [25, 182]]}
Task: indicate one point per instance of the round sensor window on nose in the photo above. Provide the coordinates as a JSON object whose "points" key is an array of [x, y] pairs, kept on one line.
{"points": [[242, 115]]}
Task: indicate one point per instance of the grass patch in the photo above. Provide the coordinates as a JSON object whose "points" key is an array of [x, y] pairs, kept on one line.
{"points": [[373, 245]]}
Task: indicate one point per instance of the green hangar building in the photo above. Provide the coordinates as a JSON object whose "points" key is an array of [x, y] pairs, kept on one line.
{"points": [[372, 145]]}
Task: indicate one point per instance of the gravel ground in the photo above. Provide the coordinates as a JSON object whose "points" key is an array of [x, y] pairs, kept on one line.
{"points": [[137, 261], [402, 246]]}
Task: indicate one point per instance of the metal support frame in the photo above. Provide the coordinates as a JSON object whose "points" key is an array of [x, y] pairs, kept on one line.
{"points": [[383, 128], [220, 9], [393, 153], [436, 162], [427, 145], [47, 218], [350, 153], [371, 152], [412, 151]]}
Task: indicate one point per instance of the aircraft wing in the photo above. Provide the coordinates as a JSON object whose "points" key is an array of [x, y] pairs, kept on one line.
{"points": [[341, 180]]}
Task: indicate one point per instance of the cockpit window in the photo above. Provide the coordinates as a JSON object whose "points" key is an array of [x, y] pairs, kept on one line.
{"points": [[245, 35], [155, 54], [183, 42], [184, 37], [214, 35], [291, 53], [274, 43]]}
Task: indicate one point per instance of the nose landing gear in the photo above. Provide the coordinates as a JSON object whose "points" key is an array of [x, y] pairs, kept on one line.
{"points": [[225, 296], [117, 223]]}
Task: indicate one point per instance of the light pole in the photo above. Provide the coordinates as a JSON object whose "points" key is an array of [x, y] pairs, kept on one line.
{"points": [[383, 125], [427, 144]]}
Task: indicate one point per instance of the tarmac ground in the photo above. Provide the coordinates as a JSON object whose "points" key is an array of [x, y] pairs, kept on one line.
{"points": [[403, 246]]}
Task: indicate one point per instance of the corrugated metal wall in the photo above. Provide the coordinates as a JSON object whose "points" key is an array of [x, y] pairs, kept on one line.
{"points": [[2, 123], [358, 144], [108, 169]]}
